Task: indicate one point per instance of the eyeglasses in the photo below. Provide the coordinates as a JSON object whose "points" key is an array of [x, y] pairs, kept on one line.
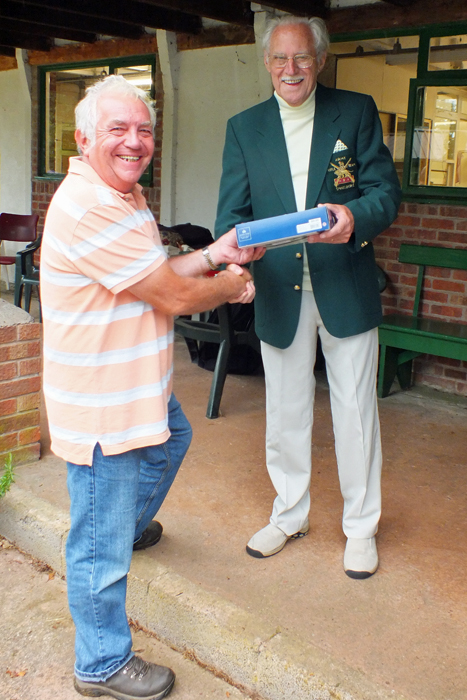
{"points": [[301, 60]]}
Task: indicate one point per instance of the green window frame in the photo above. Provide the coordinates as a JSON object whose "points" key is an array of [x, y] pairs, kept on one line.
{"points": [[419, 87], [112, 65], [426, 78]]}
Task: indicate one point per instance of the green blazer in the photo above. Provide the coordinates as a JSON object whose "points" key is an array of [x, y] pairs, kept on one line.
{"points": [[349, 164]]}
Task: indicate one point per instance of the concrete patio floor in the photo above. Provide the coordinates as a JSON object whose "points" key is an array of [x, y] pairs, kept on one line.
{"points": [[405, 627], [403, 632]]}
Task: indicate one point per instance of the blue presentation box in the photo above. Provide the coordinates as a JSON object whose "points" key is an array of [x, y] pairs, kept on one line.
{"points": [[284, 230]]}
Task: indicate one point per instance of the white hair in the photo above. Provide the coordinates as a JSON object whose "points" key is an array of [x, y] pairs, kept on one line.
{"points": [[316, 26], [86, 111]]}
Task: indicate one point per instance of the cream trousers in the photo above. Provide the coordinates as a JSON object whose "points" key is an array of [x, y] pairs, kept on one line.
{"points": [[351, 365]]}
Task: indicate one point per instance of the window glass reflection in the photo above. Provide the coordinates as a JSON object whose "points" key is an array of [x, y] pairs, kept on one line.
{"points": [[439, 153], [64, 89], [448, 53]]}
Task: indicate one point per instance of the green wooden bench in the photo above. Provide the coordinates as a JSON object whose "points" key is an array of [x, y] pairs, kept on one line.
{"points": [[402, 338]]}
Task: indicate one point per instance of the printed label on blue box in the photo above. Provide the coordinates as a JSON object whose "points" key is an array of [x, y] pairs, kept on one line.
{"points": [[244, 233], [310, 226], [284, 230]]}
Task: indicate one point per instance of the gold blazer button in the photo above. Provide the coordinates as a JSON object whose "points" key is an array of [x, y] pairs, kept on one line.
{"points": [[298, 255], [297, 287], [364, 244]]}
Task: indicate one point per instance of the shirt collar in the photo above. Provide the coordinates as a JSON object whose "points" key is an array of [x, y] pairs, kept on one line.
{"points": [[78, 167]]}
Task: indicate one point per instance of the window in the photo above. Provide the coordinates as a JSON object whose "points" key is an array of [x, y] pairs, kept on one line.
{"points": [[61, 88], [419, 84], [383, 68], [439, 148], [436, 154]]}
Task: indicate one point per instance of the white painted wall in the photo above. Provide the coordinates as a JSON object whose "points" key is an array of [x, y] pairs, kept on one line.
{"points": [[213, 85], [15, 140], [15, 147]]}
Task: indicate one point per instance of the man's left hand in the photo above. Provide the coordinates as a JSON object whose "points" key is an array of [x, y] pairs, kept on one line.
{"points": [[342, 229], [226, 250]]}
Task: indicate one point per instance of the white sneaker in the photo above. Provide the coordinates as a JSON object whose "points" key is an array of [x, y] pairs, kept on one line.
{"points": [[271, 539], [360, 557]]}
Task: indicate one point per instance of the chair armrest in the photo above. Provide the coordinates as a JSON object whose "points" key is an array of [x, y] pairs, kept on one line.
{"points": [[32, 247], [28, 252]]}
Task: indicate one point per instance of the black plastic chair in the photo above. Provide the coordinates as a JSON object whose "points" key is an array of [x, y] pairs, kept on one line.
{"points": [[226, 336], [27, 275], [382, 279]]}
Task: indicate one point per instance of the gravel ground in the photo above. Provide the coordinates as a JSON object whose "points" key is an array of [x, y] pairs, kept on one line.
{"points": [[37, 637]]}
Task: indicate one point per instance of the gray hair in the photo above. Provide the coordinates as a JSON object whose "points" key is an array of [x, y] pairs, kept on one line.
{"points": [[316, 26], [86, 112]]}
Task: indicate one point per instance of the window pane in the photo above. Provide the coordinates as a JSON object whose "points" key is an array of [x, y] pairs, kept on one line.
{"points": [[448, 52], [382, 68], [439, 153], [64, 89], [141, 76]]}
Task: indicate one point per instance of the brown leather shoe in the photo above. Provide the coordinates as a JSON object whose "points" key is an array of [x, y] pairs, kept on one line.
{"points": [[150, 536], [137, 680]]}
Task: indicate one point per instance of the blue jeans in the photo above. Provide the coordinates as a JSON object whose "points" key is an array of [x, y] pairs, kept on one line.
{"points": [[112, 503]]}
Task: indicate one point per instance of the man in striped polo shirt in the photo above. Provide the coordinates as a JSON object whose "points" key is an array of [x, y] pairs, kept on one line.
{"points": [[109, 295]]}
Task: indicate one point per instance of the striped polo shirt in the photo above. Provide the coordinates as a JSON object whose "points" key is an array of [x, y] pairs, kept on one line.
{"points": [[107, 354]]}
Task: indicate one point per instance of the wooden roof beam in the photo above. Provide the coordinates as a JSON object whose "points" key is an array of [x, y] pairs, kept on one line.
{"points": [[127, 12], [307, 8], [11, 25], [52, 18], [25, 41], [400, 3], [8, 51], [231, 11], [388, 16]]}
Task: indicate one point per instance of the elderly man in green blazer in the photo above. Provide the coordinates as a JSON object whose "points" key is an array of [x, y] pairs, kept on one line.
{"points": [[310, 145]]}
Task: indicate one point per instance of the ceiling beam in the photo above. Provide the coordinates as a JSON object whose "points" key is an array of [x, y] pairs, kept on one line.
{"points": [[8, 51], [232, 11], [50, 18], [387, 16], [127, 12], [309, 8], [220, 35], [400, 3], [25, 41], [12, 25]]}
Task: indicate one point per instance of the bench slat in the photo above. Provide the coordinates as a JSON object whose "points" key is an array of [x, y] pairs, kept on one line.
{"points": [[456, 332], [433, 255], [429, 345]]}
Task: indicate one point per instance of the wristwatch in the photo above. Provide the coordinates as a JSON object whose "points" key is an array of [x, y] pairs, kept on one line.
{"points": [[209, 260]]}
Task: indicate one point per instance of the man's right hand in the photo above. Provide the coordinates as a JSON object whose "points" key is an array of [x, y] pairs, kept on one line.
{"points": [[248, 294], [175, 294]]}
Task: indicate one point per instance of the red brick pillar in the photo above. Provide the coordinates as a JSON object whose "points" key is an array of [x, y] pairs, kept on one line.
{"points": [[20, 385]]}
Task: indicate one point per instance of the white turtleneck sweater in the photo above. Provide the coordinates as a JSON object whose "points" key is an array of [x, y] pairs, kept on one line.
{"points": [[297, 123]]}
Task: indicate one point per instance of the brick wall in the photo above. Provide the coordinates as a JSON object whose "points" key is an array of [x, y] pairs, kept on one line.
{"points": [[444, 293], [20, 383]]}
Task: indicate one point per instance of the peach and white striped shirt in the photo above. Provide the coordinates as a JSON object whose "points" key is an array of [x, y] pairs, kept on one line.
{"points": [[107, 354]]}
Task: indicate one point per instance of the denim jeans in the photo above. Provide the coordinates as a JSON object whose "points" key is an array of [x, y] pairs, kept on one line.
{"points": [[112, 503]]}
